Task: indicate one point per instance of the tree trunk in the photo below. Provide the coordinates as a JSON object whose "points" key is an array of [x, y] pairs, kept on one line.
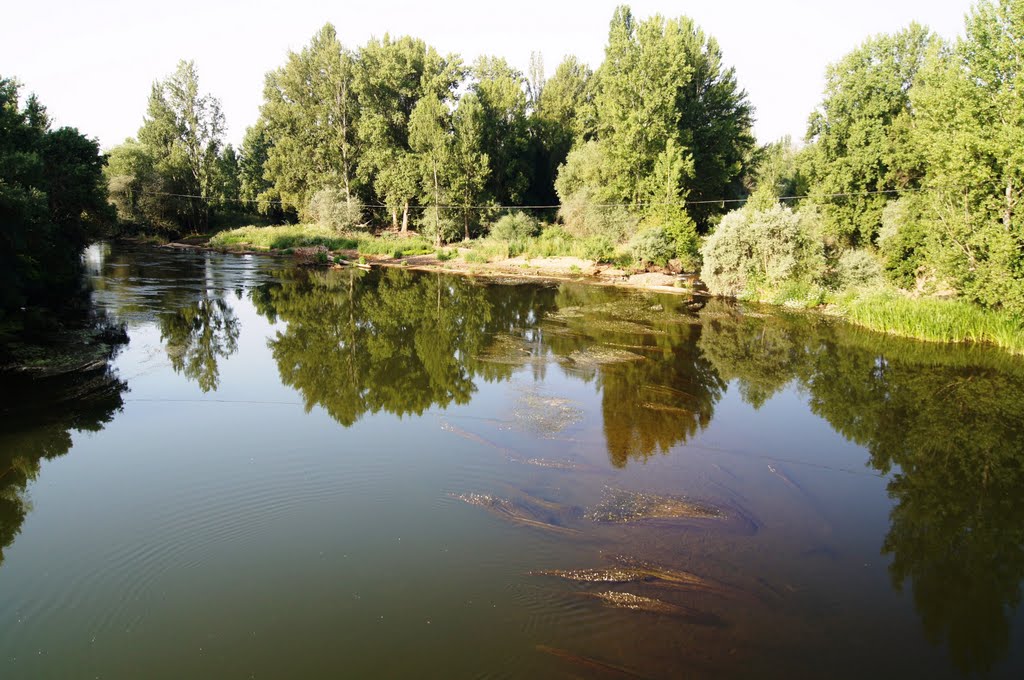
{"points": [[405, 217], [437, 209], [394, 219]]}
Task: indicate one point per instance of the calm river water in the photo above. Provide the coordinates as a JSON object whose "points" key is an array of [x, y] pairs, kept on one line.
{"points": [[298, 474]]}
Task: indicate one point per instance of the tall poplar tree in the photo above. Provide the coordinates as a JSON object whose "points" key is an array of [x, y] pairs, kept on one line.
{"points": [[311, 113]]}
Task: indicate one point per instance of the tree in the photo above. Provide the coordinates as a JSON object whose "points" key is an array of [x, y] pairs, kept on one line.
{"points": [[969, 126], [715, 120], [860, 133], [311, 113], [429, 136], [52, 201], [501, 92], [183, 131], [469, 168], [668, 120], [256, 191], [229, 178], [392, 76], [555, 124]]}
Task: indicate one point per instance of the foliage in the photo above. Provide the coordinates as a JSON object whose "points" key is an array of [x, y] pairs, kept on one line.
{"points": [[52, 202], [310, 114], [281, 238], [934, 320], [515, 226], [653, 246], [759, 248], [861, 132], [331, 208], [903, 240], [970, 129], [857, 268], [599, 249]]}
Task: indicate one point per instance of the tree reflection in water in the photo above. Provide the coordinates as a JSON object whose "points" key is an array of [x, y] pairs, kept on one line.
{"points": [[947, 422], [197, 336], [37, 417]]}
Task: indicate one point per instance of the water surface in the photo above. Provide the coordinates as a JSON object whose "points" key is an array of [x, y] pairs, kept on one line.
{"points": [[293, 473]]}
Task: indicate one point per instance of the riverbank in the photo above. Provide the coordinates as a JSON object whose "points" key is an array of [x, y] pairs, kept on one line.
{"points": [[882, 309]]}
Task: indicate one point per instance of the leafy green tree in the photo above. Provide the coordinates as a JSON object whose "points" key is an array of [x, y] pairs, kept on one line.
{"points": [[715, 120], [555, 123], [311, 113], [229, 178], [183, 132], [469, 167], [861, 133], [779, 172], [504, 130], [52, 202], [970, 129], [392, 76], [430, 138], [638, 86], [667, 120]]}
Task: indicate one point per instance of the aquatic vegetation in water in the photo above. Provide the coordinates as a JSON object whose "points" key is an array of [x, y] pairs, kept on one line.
{"points": [[544, 415], [531, 513], [632, 570], [596, 575], [509, 349], [623, 506], [600, 355]]}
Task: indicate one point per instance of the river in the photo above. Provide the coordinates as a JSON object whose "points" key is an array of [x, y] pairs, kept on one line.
{"points": [[308, 473]]}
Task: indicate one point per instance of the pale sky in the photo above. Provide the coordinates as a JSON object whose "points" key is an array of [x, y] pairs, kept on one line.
{"points": [[92, 62]]}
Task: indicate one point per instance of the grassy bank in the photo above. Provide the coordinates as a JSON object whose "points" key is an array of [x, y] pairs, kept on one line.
{"points": [[933, 320], [880, 308], [290, 236]]}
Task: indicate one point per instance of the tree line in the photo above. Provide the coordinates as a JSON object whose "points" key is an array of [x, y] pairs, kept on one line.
{"points": [[396, 134]]}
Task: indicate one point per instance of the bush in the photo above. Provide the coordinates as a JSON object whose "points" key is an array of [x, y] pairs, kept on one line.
{"points": [[329, 208], [653, 246], [515, 227], [902, 240], [599, 248], [753, 248], [450, 228], [857, 268], [584, 217]]}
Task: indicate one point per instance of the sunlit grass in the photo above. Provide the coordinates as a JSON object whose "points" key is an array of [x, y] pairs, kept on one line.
{"points": [[932, 320], [304, 235]]}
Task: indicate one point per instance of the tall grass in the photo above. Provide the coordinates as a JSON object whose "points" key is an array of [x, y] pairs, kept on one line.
{"points": [[304, 235], [933, 320]]}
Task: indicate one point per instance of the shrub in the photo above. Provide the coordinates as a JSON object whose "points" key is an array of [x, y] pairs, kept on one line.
{"points": [[444, 255], [329, 208], [583, 217], [752, 248], [450, 228], [515, 226], [653, 246], [857, 268], [902, 240], [599, 248]]}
